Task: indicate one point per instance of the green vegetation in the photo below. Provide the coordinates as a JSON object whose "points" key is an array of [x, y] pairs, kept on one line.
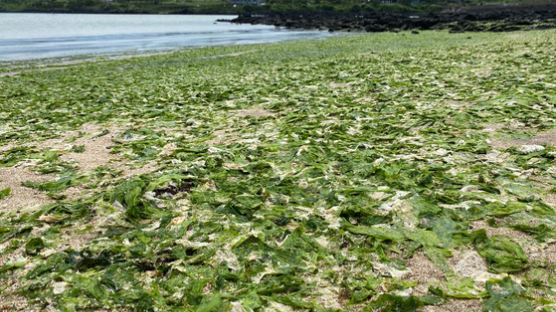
{"points": [[121, 6], [5, 193], [350, 6], [380, 172], [226, 6]]}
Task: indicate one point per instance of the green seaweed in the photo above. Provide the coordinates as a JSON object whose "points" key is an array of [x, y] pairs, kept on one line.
{"points": [[501, 253], [306, 175], [5, 192], [506, 296]]}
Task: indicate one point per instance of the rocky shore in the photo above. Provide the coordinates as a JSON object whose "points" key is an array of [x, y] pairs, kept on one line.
{"points": [[479, 18]]}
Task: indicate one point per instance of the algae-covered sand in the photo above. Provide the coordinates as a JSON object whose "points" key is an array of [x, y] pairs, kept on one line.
{"points": [[383, 172]]}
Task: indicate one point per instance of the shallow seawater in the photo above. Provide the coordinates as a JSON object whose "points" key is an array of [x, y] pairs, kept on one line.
{"points": [[30, 36]]}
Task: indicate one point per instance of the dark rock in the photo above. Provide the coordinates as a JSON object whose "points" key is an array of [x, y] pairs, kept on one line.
{"points": [[478, 18]]}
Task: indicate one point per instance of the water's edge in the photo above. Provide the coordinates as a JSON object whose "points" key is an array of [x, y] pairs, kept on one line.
{"points": [[27, 36]]}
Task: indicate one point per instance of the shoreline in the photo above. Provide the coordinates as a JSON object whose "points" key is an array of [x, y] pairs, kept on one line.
{"points": [[44, 64], [61, 62], [55, 63], [206, 30]]}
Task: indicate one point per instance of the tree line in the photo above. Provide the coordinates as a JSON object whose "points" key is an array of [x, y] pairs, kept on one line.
{"points": [[227, 7]]}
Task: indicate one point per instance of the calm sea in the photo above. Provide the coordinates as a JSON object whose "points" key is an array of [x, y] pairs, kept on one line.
{"points": [[30, 36]]}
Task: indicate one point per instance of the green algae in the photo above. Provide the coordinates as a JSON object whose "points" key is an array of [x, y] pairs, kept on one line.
{"points": [[506, 295], [300, 176], [5, 192], [501, 253]]}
